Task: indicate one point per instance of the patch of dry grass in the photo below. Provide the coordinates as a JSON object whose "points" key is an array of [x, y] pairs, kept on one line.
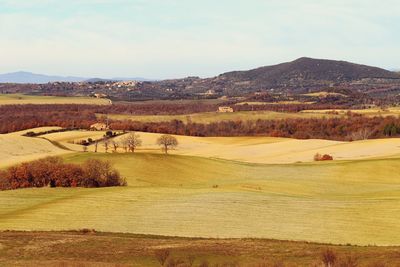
{"points": [[103, 249]]}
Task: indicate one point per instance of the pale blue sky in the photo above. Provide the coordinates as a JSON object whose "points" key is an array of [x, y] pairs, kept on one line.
{"points": [[177, 38]]}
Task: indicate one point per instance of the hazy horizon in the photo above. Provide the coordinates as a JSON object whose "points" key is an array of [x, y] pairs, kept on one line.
{"points": [[157, 39]]}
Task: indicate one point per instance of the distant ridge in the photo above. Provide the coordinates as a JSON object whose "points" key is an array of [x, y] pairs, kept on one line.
{"points": [[300, 75], [29, 77], [308, 69]]}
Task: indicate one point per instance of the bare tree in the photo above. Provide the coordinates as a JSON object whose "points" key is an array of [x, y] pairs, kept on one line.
{"points": [[362, 134], [328, 258], [167, 142], [162, 256], [133, 141], [191, 259], [96, 144], [115, 145], [125, 144], [85, 148], [106, 144]]}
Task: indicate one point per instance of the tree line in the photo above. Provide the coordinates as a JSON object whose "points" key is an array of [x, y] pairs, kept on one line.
{"points": [[131, 141], [21, 117], [350, 127], [53, 172]]}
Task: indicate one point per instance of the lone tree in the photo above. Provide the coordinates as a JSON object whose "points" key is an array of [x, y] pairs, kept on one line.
{"points": [[131, 142], [106, 144], [96, 144], [167, 142], [115, 145]]}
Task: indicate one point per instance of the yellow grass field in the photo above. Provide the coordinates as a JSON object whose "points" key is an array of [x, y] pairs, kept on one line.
{"points": [[216, 187], [15, 148], [19, 99], [339, 202], [324, 94], [290, 102], [264, 150], [208, 117], [371, 112]]}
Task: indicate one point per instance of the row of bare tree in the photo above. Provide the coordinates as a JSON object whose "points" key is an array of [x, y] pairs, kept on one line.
{"points": [[132, 141]]}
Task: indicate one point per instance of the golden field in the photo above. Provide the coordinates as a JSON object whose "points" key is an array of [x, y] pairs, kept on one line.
{"points": [[19, 99], [15, 148], [220, 187], [264, 150], [338, 202]]}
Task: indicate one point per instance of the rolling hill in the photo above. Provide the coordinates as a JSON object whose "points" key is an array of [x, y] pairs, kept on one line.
{"points": [[15, 148], [299, 76], [308, 69], [29, 77]]}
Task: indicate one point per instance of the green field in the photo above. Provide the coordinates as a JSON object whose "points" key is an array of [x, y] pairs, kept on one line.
{"points": [[20, 99], [208, 117], [348, 202]]}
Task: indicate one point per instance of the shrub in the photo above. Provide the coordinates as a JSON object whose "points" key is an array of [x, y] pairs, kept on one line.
{"points": [[325, 157], [162, 255], [329, 258], [97, 173], [54, 172], [349, 261], [4, 181], [174, 262]]}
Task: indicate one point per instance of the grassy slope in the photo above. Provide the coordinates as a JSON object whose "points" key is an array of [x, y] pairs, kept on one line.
{"points": [[104, 249], [14, 99], [251, 149], [348, 202], [15, 148], [392, 111]]}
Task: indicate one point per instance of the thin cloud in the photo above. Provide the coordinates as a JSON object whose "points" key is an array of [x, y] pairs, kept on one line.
{"points": [[171, 38]]}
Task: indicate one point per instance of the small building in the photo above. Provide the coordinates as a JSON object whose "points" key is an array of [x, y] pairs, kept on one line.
{"points": [[99, 127], [225, 109], [100, 95], [210, 92]]}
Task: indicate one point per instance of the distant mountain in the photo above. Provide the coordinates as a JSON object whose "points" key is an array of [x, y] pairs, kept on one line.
{"points": [[305, 71], [29, 77], [298, 76], [95, 80], [295, 77]]}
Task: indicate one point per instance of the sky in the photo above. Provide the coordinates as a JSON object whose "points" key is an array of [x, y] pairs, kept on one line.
{"points": [[160, 39]]}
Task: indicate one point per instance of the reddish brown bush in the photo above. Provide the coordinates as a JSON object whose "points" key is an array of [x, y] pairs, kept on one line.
{"points": [[162, 255], [325, 157], [329, 258], [54, 172]]}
